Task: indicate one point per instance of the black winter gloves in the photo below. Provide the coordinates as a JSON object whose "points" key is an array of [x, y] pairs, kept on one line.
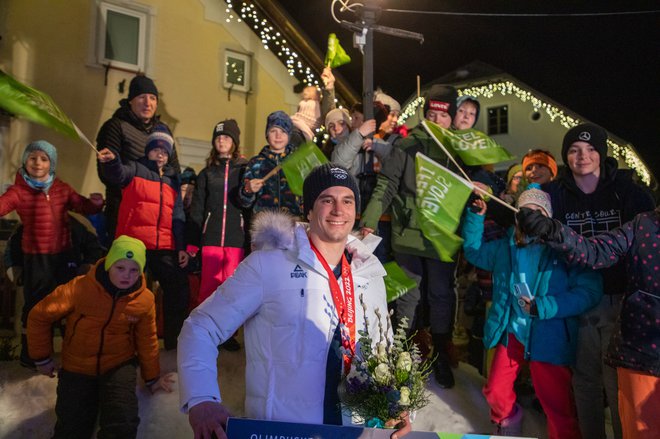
{"points": [[533, 223]]}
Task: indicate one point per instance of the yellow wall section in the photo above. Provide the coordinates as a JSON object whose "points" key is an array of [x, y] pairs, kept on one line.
{"points": [[46, 45]]}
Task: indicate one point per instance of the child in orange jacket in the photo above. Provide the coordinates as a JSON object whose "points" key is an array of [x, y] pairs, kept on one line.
{"points": [[111, 318]]}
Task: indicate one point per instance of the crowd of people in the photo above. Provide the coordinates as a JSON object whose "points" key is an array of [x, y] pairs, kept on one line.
{"points": [[233, 246]]}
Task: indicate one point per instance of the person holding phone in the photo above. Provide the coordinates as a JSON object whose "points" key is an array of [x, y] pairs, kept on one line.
{"points": [[537, 301]]}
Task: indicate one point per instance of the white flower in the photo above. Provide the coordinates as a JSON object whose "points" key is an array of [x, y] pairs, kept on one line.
{"points": [[381, 352], [354, 373], [405, 396], [404, 362], [382, 374]]}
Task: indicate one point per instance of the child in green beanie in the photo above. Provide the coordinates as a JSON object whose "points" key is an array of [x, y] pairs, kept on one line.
{"points": [[111, 329]]}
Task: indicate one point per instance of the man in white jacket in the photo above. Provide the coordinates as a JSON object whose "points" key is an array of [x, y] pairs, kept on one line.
{"points": [[301, 295]]}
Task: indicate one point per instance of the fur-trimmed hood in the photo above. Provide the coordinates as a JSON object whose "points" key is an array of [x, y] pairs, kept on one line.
{"points": [[278, 230]]}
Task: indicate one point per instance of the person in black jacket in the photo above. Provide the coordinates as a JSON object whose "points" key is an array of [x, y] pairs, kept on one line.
{"points": [[635, 345], [217, 222], [592, 197], [125, 134]]}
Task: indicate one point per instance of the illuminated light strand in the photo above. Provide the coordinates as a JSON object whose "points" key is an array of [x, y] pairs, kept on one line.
{"points": [[508, 88], [272, 40]]}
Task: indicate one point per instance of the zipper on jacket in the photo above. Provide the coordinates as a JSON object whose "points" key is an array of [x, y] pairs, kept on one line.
{"points": [[206, 222], [224, 205], [279, 184], [102, 340], [75, 325], [160, 211]]}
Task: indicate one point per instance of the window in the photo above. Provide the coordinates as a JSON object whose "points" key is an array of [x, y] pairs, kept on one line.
{"points": [[237, 71], [498, 120], [122, 37]]}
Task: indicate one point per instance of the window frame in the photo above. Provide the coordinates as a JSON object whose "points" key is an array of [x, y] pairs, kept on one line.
{"points": [[143, 19], [247, 60], [499, 124]]}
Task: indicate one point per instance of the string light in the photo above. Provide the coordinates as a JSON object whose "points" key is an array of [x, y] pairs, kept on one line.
{"points": [[556, 115], [272, 40]]}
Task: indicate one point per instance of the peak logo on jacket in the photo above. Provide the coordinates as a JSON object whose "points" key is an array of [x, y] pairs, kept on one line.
{"points": [[298, 273]]}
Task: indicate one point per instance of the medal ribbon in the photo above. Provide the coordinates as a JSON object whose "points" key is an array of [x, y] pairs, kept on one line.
{"points": [[344, 304]]}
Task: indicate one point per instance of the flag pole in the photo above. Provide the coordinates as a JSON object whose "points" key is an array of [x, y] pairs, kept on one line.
{"points": [[493, 197], [84, 138], [272, 172]]}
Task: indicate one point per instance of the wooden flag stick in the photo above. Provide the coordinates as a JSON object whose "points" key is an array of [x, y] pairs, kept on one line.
{"points": [[418, 87], [84, 138], [494, 198], [274, 171]]}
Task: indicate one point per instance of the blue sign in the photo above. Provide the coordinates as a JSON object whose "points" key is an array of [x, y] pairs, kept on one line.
{"points": [[238, 428]]}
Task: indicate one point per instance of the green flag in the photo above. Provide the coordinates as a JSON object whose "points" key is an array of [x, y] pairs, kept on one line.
{"points": [[444, 241], [29, 103], [397, 282], [472, 146], [335, 56], [441, 197], [300, 163]]}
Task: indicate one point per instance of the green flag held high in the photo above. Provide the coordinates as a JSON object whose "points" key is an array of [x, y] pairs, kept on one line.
{"points": [[472, 146], [441, 197], [335, 56], [300, 163], [397, 282], [28, 103]]}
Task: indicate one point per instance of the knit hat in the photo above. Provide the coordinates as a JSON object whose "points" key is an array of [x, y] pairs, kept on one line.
{"points": [[586, 132], [126, 247], [228, 127], [309, 112], [467, 98], [279, 119], [336, 115], [387, 100], [140, 85], [188, 176], [513, 170], [540, 157], [326, 176], [47, 148], [160, 137], [534, 195], [441, 98]]}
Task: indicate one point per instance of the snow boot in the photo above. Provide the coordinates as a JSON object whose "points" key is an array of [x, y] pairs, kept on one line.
{"points": [[442, 363], [511, 426], [25, 359]]}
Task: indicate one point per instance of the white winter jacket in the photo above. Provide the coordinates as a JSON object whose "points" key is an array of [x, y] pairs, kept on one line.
{"points": [[283, 298]]}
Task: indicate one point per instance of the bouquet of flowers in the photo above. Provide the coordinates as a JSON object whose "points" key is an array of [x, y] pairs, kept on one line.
{"points": [[386, 378]]}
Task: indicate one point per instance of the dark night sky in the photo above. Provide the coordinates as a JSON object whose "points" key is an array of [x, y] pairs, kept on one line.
{"points": [[605, 68]]}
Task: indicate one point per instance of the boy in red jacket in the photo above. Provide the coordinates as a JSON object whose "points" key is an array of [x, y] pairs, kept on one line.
{"points": [[42, 201], [151, 210]]}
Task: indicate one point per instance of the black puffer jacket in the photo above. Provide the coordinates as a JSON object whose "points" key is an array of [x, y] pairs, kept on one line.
{"points": [[208, 215], [616, 200]]}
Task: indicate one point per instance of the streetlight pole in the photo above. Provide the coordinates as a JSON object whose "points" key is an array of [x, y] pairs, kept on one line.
{"points": [[363, 37]]}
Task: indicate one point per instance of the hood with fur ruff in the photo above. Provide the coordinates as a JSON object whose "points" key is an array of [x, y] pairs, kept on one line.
{"points": [[273, 230]]}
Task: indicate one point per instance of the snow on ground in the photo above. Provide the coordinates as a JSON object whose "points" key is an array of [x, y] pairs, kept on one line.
{"points": [[27, 402]]}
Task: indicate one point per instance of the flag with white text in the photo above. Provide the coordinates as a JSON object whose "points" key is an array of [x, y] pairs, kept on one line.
{"points": [[441, 197], [472, 146]]}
